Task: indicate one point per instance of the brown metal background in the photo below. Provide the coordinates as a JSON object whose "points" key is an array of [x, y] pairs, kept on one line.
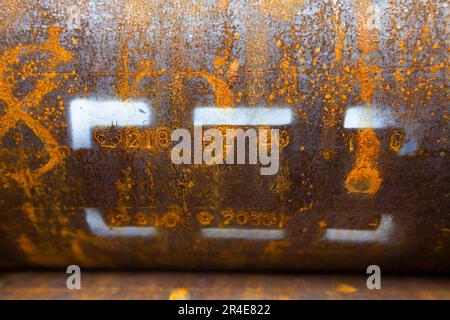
{"points": [[318, 58]]}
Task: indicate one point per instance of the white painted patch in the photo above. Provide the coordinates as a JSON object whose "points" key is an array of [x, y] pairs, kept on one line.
{"points": [[409, 146], [381, 234], [363, 117], [86, 114], [242, 116], [247, 234], [98, 226]]}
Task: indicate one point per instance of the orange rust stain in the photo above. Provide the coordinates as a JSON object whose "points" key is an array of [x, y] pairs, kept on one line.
{"points": [[26, 245], [124, 188], [282, 183], [367, 42], [339, 77], [46, 82], [281, 9], [232, 73], [416, 81], [123, 84], [225, 73], [345, 288], [179, 294], [222, 5], [278, 247], [130, 72], [286, 83], [29, 211], [147, 68], [327, 154], [365, 177], [79, 253], [222, 93], [256, 56], [39, 256], [14, 9], [339, 40], [307, 207]]}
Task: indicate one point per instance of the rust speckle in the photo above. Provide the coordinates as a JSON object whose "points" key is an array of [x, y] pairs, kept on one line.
{"points": [[345, 288], [179, 294]]}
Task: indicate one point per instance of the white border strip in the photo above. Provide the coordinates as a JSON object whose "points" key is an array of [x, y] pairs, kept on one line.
{"points": [[247, 234], [98, 226], [381, 234], [363, 117], [242, 116]]}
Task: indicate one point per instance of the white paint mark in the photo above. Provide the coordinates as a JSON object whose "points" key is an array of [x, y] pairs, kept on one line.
{"points": [[381, 234], [74, 17], [247, 234], [373, 17], [409, 146], [363, 117], [86, 114], [98, 226], [242, 116]]}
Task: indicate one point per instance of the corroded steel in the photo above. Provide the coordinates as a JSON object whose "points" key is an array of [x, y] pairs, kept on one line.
{"points": [[363, 174], [234, 286]]}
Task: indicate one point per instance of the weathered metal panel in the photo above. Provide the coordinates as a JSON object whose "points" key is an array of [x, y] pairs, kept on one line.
{"points": [[88, 179], [208, 286]]}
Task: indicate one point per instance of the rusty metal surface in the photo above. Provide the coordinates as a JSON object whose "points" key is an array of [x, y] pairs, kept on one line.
{"points": [[343, 198], [200, 286]]}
